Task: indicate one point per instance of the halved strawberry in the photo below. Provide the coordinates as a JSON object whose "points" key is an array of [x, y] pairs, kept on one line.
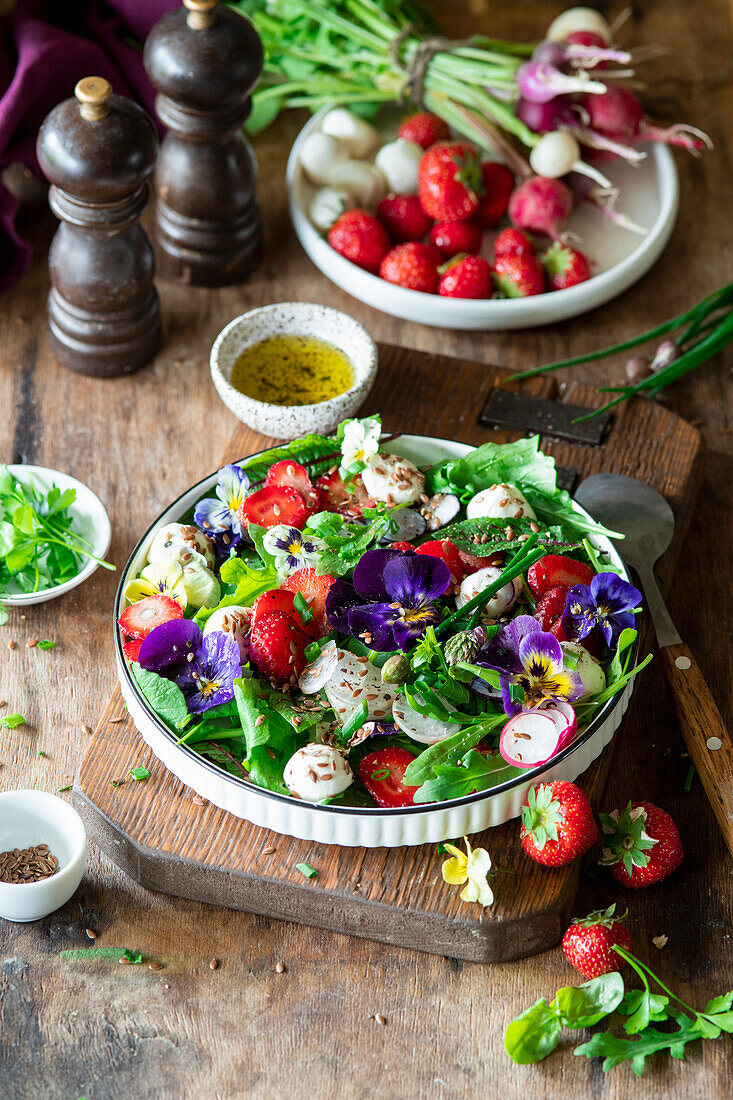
{"points": [[331, 490], [473, 562], [277, 599], [450, 554], [277, 647], [403, 546], [293, 476], [550, 610], [382, 773], [314, 589], [556, 569], [273, 505], [131, 649], [140, 618]]}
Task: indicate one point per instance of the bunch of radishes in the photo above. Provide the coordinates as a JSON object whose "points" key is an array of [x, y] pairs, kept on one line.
{"points": [[416, 215]]}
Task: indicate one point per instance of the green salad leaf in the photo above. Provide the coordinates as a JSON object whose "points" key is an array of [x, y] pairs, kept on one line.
{"points": [[315, 452], [165, 697], [450, 749], [473, 772], [248, 580], [585, 1005], [347, 541], [534, 1034]]}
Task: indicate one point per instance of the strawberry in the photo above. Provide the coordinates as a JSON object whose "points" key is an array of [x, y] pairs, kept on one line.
{"points": [[447, 552], [519, 276], [333, 496], [382, 773], [454, 237], [293, 476], [403, 546], [556, 569], [564, 266], [641, 844], [513, 242], [588, 943], [424, 128], [466, 277], [497, 185], [361, 238], [550, 609], [449, 181], [403, 217], [557, 824], [131, 649], [277, 599], [473, 562], [412, 265], [314, 588], [140, 618], [272, 505], [277, 647]]}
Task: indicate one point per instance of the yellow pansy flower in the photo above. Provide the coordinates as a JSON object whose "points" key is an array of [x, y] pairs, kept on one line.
{"points": [[162, 578], [471, 868]]}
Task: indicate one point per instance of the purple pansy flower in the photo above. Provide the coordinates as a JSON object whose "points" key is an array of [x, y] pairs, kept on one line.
{"points": [[218, 515], [204, 668], [607, 602], [524, 655], [390, 603]]}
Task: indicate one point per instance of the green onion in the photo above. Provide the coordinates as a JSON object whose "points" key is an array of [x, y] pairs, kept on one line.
{"points": [[306, 869], [140, 773]]}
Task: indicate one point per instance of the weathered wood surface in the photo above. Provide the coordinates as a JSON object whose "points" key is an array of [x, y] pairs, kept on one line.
{"points": [[72, 1029], [157, 833]]}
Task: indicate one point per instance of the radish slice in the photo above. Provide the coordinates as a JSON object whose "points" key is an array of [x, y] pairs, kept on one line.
{"points": [[418, 726], [317, 673], [529, 738], [564, 718]]}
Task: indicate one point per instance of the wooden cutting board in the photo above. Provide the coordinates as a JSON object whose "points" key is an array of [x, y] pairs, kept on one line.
{"points": [[166, 837]]}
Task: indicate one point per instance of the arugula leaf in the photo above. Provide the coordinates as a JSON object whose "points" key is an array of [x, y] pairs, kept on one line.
{"points": [[557, 507], [585, 1005], [165, 697], [270, 739], [346, 542], [474, 772], [249, 582], [533, 1035], [448, 750], [615, 1050], [642, 1008], [486, 535]]}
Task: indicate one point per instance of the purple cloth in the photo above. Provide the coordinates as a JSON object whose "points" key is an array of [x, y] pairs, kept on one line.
{"points": [[45, 48]]}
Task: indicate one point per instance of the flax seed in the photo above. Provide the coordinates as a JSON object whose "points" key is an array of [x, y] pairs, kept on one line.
{"points": [[379, 1019], [280, 968], [198, 800], [259, 719], [123, 960], [214, 964], [12, 644], [91, 933], [155, 966], [31, 643], [268, 851], [114, 721], [86, 728]]}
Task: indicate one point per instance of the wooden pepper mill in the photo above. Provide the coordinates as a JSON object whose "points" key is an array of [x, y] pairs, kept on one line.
{"points": [[204, 63], [97, 151]]}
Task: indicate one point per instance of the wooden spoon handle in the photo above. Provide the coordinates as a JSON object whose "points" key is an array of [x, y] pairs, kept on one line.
{"points": [[707, 739]]}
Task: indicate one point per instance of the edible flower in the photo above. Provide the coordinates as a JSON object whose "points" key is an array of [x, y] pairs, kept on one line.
{"points": [[473, 869], [391, 601], [162, 578], [524, 655], [607, 602], [204, 668], [217, 516], [359, 443], [291, 548]]}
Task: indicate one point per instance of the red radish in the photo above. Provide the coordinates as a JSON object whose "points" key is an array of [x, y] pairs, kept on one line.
{"points": [[619, 115], [564, 718], [541, 206], [586, 38], [533, 737]]}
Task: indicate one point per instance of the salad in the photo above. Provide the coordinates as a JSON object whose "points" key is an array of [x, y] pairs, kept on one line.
{"points": [[338, 625]]}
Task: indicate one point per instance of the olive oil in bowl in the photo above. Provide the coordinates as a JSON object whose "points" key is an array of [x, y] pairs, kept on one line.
{"points": [[292, 370]]}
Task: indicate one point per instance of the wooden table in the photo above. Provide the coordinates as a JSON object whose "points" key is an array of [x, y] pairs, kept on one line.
{"points": [[98, 1030]]}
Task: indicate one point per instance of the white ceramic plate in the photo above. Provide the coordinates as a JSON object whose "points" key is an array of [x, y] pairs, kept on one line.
{"points": [[649, 195], [352, 827], [90, 521]]}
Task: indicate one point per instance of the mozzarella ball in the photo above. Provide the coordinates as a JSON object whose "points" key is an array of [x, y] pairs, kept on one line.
{"points": [[233, 621], [587, 667], [357, 135], [500, 502], [202, 587], [174, 539], [361, 179], [316, 772], [477, 582], [329, 204], [400, 161], [318, 155], [393, 479]]}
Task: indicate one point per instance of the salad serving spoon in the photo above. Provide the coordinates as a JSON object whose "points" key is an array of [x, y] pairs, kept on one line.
{"points": [[646, 520]]}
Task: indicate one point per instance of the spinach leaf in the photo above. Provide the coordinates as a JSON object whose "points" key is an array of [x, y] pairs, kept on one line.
{"points": [[533, 1035], [486, 535], [449, 750], [165, 697]]}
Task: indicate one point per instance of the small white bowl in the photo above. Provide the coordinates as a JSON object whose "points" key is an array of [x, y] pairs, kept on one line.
{"points": [[34, 817], [90, 521], [294, 319]]}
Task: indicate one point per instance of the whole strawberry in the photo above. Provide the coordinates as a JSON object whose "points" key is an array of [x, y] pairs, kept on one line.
{"points": [[641, 844], [513, 242], [557, 823], [454, 237], [564, 266], [497, 184], [412, 265], [519, 276], [424, 128], [449, 181], [403, 217], [588, 943], [359, 237], [465, 277]]}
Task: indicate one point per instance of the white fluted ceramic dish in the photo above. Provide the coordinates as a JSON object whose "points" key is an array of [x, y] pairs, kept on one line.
{"points": [[347, 826], [649, 195]]}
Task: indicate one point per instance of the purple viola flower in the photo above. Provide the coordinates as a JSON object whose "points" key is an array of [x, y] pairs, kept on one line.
{"points": [[524, 655], [204, 668], [608, 602], [218, 515], [391, 601]]}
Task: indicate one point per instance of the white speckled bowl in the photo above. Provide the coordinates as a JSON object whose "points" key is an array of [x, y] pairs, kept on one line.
{"points": [[294, 319]]}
